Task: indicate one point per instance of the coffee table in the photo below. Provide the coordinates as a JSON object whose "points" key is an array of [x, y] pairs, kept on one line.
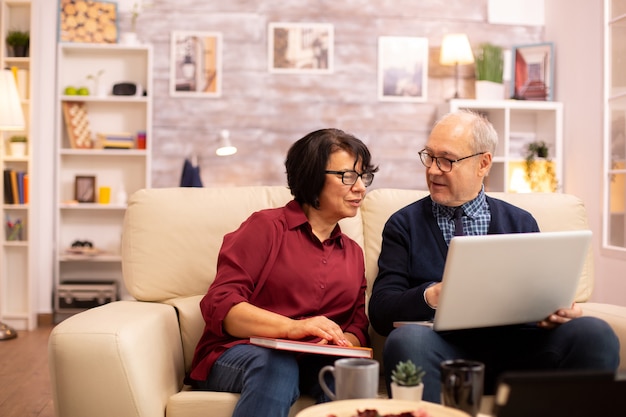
{"points": [[349, 408]]}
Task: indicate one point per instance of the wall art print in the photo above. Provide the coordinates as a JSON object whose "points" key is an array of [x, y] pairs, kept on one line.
{"points": [[300, 48], [402, 68], [196, 64]]}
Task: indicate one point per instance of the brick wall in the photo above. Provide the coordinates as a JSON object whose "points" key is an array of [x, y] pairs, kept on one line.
{"points": [[266, 112]]}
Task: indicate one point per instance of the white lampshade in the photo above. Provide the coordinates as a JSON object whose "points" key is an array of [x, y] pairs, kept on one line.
{"points": [[456, 49], [11, 115], [226, 148]]}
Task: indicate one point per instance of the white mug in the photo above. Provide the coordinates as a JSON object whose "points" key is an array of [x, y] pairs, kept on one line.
{"points": [[354, 378]]}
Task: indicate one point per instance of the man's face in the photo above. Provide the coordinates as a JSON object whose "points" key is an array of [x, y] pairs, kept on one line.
{"points": [[452, 139]]}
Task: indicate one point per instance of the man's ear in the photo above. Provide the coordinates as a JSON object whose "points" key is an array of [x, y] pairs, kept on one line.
{"points": [[485, 164]]}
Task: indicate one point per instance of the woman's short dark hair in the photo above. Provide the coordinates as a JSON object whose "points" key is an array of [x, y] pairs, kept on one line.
{"points": [[307, 159]]}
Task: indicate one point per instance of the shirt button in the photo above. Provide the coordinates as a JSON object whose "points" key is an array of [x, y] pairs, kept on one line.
{"points": [[322, 286], [324, 261]]}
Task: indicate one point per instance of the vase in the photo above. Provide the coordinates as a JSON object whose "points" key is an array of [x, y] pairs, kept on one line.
{"points": [[18, 149], [488, 90], [129, 38], [401, 392]]}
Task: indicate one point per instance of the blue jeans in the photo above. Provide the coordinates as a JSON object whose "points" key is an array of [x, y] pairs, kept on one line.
{"points": [[585, 343], [269, 380]]}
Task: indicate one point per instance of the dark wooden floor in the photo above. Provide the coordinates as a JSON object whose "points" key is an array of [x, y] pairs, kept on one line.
{"points": [[24, 378]]}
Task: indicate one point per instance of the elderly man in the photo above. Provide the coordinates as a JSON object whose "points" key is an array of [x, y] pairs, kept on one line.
{"points": [[457, 157]]}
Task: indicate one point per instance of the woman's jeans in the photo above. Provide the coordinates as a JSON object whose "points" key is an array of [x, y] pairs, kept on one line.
{"points": [[269, 380], [585, 343]]}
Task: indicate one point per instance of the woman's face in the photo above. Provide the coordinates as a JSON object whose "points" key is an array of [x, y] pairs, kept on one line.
{"points": [[338, 200]]}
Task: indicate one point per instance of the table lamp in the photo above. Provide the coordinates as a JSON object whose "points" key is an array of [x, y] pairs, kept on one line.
{"points": [[11, 118], [456, 50]]}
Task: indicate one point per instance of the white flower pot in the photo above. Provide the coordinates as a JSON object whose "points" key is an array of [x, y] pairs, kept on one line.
{"points": [[129, 38], [487, 90], [401, 392], [18, 149]]}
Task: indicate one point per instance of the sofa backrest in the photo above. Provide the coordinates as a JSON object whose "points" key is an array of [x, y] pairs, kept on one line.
{"points": [[171, 236], [553, 212]]}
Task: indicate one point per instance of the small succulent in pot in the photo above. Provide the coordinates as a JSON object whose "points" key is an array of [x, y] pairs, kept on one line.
{"points": [[407, 374]]}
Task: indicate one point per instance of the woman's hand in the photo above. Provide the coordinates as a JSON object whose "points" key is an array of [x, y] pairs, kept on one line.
{"points": [[245, 320], [322, 327], [561, 316]]}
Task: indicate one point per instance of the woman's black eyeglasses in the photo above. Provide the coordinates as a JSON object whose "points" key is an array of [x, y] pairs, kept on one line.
{"points": [[350, 177]]}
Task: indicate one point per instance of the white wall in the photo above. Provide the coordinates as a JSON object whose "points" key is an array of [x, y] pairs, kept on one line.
{"points": [[576, 28]]}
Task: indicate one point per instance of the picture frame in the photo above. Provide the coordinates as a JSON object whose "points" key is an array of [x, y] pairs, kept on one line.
{"points": [[196, 64], [300, 48], [88, 21], [85, 188], [402, 68], [533, 72]]}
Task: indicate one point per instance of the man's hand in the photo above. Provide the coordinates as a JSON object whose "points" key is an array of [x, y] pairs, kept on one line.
{"points": [[431, 294], [561, 316]]}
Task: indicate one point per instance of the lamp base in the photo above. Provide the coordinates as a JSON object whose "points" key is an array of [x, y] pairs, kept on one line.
{"points": [[7, 332]]}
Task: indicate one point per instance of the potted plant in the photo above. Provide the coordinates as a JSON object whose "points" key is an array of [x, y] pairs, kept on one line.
{"points": [[539, 168], [17, 144], [489, 67], [130, 38], [407, 381], [18, 42]]}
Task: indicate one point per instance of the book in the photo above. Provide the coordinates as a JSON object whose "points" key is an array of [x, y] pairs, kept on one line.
{"points": [[8, 194], [14, 191], [308, 347]]}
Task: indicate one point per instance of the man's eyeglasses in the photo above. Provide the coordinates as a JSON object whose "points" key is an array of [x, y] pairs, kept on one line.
{"points": [[350, 177], [444, 164]]}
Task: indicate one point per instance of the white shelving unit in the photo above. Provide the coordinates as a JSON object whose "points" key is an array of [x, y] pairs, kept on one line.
{"points": [[17, 306], [122, 170], [614, 218], [518, 123]]}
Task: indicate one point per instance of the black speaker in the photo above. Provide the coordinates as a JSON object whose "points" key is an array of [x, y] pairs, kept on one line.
{"points": [[124, 89]]}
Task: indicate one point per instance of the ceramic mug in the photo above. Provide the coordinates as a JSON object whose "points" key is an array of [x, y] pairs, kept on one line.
{"points": [[462, 384], [354, 378]]}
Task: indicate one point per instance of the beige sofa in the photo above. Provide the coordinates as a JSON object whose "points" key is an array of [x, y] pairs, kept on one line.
{"points": [[128, 358]]}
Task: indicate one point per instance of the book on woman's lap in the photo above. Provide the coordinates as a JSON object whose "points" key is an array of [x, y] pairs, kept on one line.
{"points": [[315, 348]]}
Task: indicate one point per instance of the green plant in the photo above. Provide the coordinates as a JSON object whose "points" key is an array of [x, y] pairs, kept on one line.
{"points": [[407, 374], [16, 138], [489, 63], [536, 174], [134, 15], [18, 38]]}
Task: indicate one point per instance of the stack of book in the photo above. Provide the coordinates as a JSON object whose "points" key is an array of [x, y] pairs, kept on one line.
{"points": [[15, 187], [121, 140]]}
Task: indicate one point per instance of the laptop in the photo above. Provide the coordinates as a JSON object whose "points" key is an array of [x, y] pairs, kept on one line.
{"points": [[560, 393], [505, 279]]}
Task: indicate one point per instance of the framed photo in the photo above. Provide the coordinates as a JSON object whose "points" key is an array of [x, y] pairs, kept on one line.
{"points": [[85, 188], [88, 21], [300, 48], [402, 68], [533, 72], [196, 64]]}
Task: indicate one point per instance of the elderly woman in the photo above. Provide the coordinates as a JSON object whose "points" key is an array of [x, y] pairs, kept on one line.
{"points": [[289, 273]]}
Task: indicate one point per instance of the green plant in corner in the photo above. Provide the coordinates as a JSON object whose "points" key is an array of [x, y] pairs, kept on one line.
{"points": [[539, 173], [489, 63], [407, 374]]}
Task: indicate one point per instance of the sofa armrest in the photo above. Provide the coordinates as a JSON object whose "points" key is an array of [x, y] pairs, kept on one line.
{"points": [[121, 359], [615, 316]]}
